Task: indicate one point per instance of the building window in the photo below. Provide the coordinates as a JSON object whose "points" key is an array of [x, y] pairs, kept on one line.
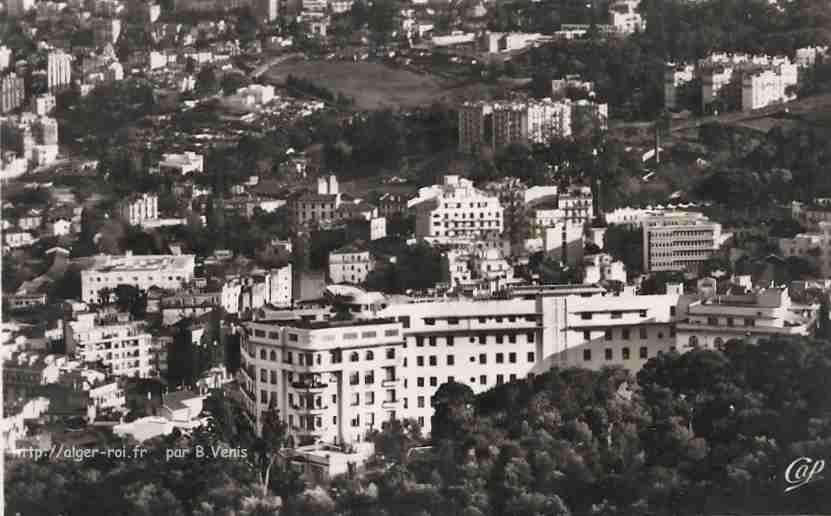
{"points": [[434, 381], [625, 352], [421, 421], [643, 352], [642, 313], [718, 343], [369, 398], [449, 340], [512, 339], [420, 402], [616, 315], [356, 399], [430, 322], [451, 360], [499, 339], [353, 357], [587, 355], [500, 379], [390, 352], [420, 341], [586, 316], [354, 378], [512, 358], [483, 358], [420, 381], [433, 360], [608, 334], [483, 379], [672, 311], [625, 334], [432, 341], [482, 339], [608, 353], [453, 321], [693, 342], [370, 355], [530, 357], [500, 358], [529, 337], [420, 361], [642, 332], [587, 335]]}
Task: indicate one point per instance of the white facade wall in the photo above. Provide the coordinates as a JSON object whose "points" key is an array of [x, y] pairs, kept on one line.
{"points": [[143, 272], [458, 210], [125, 347], [350, 267]]}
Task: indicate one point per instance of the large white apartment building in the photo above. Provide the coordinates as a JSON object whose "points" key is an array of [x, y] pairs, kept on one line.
{"points": [[122, 345], [456, 209], [766, 87], [335, 381], [757, 80], [330, 382], [679, 241], [709, 323], [141, 271]]}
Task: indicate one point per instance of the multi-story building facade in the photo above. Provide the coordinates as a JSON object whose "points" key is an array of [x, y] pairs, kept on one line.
{"points": [[334, 382], [140, 271], [58, 70], [709, 323], [676, 75], [308, 208], [814, 246], [766, 87], [138, 208], [350, 264], [12, 92], [679, 241], [122, 345], [456, 209]]}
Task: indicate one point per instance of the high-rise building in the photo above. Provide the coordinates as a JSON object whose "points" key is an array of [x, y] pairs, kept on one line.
{"points": [[496, 124], [12, 91], [679, 241], [138, 208], [58, 69]]}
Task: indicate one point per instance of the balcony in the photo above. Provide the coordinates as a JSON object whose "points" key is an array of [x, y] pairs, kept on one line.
{"points": [[391, 404], [391, 382], [309, 410], [309, 385]]}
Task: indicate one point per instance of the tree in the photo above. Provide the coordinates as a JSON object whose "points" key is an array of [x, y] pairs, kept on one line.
{"points": [[131, 299], [625, 244], [394, 441], [231, 82], [206, 81], [381, 18], [656, 282]]}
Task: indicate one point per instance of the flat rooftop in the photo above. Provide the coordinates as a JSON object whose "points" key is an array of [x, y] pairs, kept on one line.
{"points": [[109, 263]]}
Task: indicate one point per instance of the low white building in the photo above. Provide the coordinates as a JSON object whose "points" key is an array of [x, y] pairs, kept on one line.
{"points": [[14, 239], [350, 265], [138, 208], [181, 164], [603, 267], [140, 271]]}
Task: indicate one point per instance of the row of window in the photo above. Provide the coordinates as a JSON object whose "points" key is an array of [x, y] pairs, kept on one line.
{"points": [[336, 357], [625, 353], [452, 321], [500, 338], [432, 360], [626, 333]]}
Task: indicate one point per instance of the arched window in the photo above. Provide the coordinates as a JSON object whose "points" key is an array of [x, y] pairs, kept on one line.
{"points": [[693, 341], [718, 343], [370, 355], [262, 354], [353, 357], [273, 356]]}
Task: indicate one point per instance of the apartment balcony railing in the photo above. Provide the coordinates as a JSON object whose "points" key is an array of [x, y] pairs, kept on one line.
{"points": [[309, 385], [390, 382]]}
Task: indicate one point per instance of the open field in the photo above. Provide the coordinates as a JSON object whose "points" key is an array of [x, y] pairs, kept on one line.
{"points": [[377, 86]]}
